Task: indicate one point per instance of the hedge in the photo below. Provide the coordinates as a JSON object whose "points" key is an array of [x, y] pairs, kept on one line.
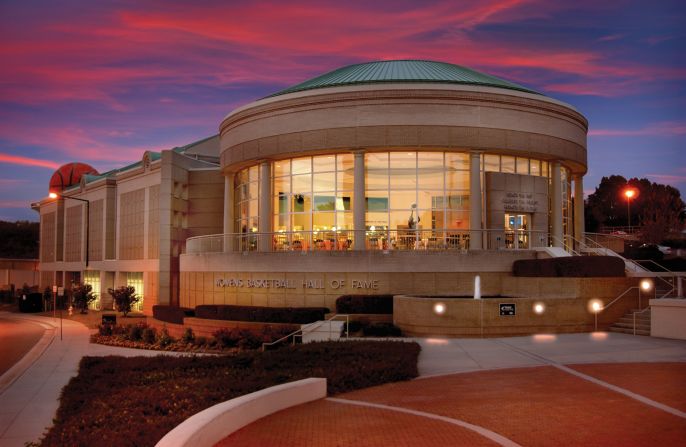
{"points": [[293, 315], [570, 267], [171, 314], [365, 304], [135, 401]]}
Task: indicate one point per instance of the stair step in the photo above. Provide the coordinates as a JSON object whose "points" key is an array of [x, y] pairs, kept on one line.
{"points": [[631, 326], [629, 331], [630, 320]]}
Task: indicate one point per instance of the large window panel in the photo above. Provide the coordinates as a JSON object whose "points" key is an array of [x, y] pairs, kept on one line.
{"points": [[323, 182], [507, 164], [403, 199], [301, 165], [282, 168], [324, 163], [325, 202], [301, 183]]}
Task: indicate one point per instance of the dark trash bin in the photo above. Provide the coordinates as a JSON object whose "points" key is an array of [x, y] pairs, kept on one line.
{"points": [[31, 302]]}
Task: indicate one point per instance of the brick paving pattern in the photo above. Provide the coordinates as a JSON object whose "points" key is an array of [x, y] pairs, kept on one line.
{"points": [[661, 382], [539, 406]]}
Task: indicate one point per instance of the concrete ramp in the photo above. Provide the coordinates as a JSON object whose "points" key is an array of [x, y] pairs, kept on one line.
{"points": [[554, 252], [322, 331], [630, 266]]}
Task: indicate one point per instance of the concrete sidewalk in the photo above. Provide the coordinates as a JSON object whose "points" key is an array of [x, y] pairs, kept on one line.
{"points": [[29, 392], [455, 355]]}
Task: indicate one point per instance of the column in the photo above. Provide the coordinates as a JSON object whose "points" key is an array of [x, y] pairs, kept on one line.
{"points": [[475, 200], [556, 191], [265, 207], [359, 207], [578, 208], [229, 218]]}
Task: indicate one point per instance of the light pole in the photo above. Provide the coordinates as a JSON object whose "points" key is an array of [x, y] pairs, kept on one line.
{"points": [[54, 195], [630, 194]]}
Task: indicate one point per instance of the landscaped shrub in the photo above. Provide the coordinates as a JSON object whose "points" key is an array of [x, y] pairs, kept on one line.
{"points": [[200, 341], [364, 304], [135, 331], [534, 267], [137, 400], [382, 330], [82, 295], [164, 339], [570, 267], [590, 266], [295, 315], [171, 314], [226, 337], [149, 335], [188, 335], [105, 329], [124, 298]]}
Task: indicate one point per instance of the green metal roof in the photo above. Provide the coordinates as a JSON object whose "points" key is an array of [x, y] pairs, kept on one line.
{"points": [[403, 71]]}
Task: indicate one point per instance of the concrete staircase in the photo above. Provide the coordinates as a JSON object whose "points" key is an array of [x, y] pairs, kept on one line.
{"points": [[322, 331], [626, 323]]}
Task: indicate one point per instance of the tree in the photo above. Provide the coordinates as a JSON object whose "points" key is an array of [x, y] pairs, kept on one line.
{"points": [[19, 239], [657, 209], [661, 213], [82, 295], [124, 297]]}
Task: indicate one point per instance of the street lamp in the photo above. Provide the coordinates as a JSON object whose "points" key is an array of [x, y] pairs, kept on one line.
{"points": [[54, 195], [629, 193]]}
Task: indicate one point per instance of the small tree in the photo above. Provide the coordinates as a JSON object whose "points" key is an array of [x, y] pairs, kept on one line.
{"points": [[82, 295], [124, 297]]}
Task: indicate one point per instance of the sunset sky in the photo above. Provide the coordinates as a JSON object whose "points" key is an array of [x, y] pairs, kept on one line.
{"points": [[102, 81]]}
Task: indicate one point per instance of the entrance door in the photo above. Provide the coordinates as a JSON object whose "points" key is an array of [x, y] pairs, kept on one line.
{"points": [[517, 230]]}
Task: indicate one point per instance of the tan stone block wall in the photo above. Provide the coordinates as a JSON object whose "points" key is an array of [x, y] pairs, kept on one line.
{"points": [[74, 234], [95, 230], [566, 303], [47, 237], [400, 115], [154, 222], [132, 224]]}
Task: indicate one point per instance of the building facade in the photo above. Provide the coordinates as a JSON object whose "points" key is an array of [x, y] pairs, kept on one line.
{"points": [[389, 177]]}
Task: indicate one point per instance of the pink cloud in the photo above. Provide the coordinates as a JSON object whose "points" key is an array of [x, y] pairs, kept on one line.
{"points": [[669, 128], [669, 179]]}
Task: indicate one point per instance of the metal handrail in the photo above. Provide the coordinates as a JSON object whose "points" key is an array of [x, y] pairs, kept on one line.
{"points": [[377, 239], [621, 295], [636, 313], [300, 331]]}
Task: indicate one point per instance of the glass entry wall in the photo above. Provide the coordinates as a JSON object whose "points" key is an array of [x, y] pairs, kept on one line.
{"points": [[92, 277], [517, 230], [416, 198], [135, 279]]}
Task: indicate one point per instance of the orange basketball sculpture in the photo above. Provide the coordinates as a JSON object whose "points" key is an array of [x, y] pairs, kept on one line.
{"points": [[69, 175]]}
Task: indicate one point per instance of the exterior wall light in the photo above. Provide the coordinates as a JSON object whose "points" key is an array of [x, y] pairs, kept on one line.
{"points": [[595, 306], [646, 285], [539, 308], [439, 308]]}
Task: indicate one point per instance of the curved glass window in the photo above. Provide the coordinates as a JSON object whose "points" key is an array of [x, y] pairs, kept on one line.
{"points": [[403, 190]]}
